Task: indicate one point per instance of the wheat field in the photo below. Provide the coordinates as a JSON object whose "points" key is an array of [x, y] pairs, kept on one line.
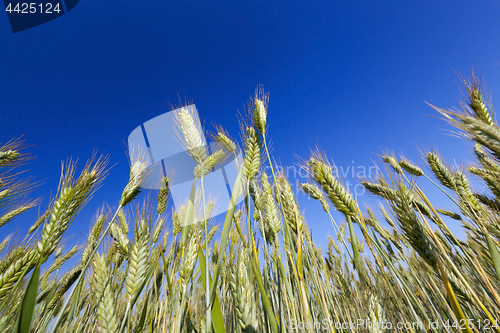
{"points": [[260, 270]]}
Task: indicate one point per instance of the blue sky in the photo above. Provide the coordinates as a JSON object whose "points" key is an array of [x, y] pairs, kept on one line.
{"points": [[352, 76]]}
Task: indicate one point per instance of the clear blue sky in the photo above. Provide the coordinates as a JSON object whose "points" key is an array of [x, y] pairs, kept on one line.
{"points": [[352, 76]]}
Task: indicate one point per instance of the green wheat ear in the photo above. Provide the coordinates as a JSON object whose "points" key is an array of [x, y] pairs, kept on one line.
{"points": [[252, 160], [191, 134], [260, 104], [104, 298], [410, 167], [132, 189], [333, 188], [227, 143], [393, 163], [442, 173]]}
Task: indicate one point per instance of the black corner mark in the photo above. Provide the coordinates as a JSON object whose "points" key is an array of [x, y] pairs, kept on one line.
{"points": [[70, 4], [26, 14]]}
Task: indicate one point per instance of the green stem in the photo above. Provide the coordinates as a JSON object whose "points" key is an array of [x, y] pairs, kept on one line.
{"points": [[208, 313], [355, 250]]}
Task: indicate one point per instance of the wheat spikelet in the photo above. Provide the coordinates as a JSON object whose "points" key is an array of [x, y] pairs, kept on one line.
{"points": [[290, 209], [190, 254], [411, 226], [138, 260], [358, 243], [486, 135], [209, 163], [15, 271], [106, 315], [392, 195], [121, 240], [376, 315], [258, 199], [63, 286], [484, 172], [39, 222], [224, 139], [380, 190], [251, 162], [484, 159], [458, 286], [14, 212], [12, 190], [441, 172], [211, 234], [454, 216], [387, 217], [12, 256], [72, 196], [475, 102], [314, 192], [338, 195], [371, 220], [123, 221], [4, 194], [242, 291], [59, 261], [271, 222], [172, 252], [491, 203], [411, 168], [191, 135], [133, 187], [493, 184], [5, 242], [393, 163], [157, 230], [422, 208], [332, 245], [176, 224], [8, 156], [260, 115], [341, 233], [94, 234], [465, 194], [260, 103], [162, 196], [45, 290]]}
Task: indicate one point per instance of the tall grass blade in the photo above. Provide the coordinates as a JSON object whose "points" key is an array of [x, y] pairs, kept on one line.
{"points": [[217, 320], [25, 318]]}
